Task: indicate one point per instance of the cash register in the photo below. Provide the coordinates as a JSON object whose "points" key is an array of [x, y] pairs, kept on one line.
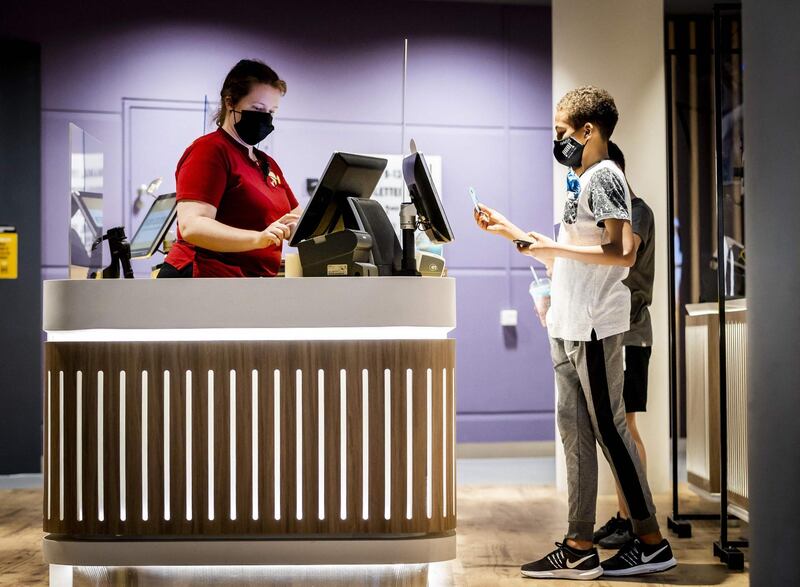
{"points": [[343, 232]]}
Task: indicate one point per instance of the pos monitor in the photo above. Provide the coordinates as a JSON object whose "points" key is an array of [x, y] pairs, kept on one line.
{"points": [[431, 217], [341, 204], [154, 227], [347, 175]]}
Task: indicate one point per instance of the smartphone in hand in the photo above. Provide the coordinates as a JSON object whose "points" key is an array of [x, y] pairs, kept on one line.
{"points": [[475, 202], [522, 244]]}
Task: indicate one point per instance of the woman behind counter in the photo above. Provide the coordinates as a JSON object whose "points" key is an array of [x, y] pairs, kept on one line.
{"points": [[235, 208]]}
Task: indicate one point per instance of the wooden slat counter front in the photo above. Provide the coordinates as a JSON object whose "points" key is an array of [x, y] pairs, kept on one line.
{"points": [[246, 421]]}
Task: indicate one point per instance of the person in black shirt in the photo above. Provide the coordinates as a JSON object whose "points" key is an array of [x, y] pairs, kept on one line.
{"points": [[637, 344]]}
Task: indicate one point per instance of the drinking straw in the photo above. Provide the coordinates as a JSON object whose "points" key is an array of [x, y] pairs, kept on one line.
{"points": [[535, 277]]}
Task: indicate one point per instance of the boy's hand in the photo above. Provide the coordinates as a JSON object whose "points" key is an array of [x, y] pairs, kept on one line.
{"points": [[492, 221], [542, 249]]}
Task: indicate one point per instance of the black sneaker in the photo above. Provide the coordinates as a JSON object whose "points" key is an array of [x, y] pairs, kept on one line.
{"points": [[637, 558], [565, 563], [608, 529], [622, 535]]}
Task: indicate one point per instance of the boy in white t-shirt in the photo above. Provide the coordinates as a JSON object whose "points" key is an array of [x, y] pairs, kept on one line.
{"points": [[589, 313]]}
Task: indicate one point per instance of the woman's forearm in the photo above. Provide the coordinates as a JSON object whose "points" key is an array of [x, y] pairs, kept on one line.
{"points": [[213, 235]]}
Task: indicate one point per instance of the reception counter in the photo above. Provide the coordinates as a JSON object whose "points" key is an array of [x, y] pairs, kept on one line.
{"points": [[249, 422], [703, 444]]}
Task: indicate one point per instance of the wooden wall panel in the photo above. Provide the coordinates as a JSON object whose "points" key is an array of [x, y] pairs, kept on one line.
{"points": [[168, 433]]}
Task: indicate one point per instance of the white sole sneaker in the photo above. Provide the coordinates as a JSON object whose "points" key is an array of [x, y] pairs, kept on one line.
{"points": [[645, 569], [573, 574]]}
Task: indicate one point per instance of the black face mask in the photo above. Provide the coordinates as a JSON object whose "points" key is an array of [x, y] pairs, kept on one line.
{"points": [[568, 152], [253, 126]]}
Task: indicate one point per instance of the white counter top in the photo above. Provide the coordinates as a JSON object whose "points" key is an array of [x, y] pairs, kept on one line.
{"points": [[707, 308], [240, 309]]}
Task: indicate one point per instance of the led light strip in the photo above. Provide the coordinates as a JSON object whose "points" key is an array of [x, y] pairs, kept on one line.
{"points": [[123, 508], [101, 476], [321, 443], [298, 461], [254, 442], [79, 444], [145, 512], [276, 424], [222, 334], [188, 445], [409, 444], [210, 448], [232, 444], [166, 439], [387, 444], [364, 444]]}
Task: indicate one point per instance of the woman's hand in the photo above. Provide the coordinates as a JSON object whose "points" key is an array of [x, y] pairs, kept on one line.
{"points": [[278, 231], [492, 221]]}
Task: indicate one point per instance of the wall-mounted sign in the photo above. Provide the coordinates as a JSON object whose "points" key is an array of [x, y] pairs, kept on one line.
{"points": [[391, 190], [9, 252]]}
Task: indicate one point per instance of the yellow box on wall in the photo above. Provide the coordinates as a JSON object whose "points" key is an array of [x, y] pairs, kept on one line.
{"points": [[9, 252]]}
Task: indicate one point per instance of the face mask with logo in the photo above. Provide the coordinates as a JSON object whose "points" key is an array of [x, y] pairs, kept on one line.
{"points": [[568, 152], [253, 126]]}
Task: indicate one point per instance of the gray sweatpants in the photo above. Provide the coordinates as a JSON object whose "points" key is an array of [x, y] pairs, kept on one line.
{"points": [[589, 377]]}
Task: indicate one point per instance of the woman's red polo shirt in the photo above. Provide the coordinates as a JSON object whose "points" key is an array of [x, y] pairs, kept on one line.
{"points": [[216, 169]]}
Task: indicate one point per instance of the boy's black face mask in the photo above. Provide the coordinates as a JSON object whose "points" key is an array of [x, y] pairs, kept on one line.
{"points": [[253, 126], [568, 151]]}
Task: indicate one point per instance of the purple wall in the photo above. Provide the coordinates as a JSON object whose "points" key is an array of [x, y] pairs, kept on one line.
{"points": [[478, 94]]}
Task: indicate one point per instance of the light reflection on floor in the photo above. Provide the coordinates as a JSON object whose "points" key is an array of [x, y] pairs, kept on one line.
{"points": [[250, 576]]}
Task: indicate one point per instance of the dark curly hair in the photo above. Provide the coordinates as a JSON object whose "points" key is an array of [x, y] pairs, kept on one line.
{"points": [[590, 104], [240, 81]]}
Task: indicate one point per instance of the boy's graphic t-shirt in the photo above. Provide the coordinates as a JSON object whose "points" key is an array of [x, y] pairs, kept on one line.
{"points": [[585, 296]]}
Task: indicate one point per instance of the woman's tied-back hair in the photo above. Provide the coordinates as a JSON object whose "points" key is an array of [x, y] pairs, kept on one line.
{"points": [[590, 104], [241, 79]]}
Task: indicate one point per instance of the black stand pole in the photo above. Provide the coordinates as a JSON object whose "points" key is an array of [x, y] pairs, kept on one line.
{"points": [[675, 522], [408, 225], [724, 549]]}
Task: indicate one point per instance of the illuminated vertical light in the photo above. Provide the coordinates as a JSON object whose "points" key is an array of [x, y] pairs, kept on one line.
{"points": [[123, 511], [453, 440], [61, 445], [101, 476], [298, 461], [188, 445], [276, 425], [210, 447], [343, 444], [232, 444], [429, 447], [444, 442], [144, 446], [364, 444], [409, 444], [49, 487], [321, 444], [387, 444], [254, 442], [167, 511], [79, 444]]}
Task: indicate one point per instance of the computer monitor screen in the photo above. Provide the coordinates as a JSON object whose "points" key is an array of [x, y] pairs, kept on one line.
{"points": [[86, 226], [154, 227], [347, 175], [430, 212]]}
